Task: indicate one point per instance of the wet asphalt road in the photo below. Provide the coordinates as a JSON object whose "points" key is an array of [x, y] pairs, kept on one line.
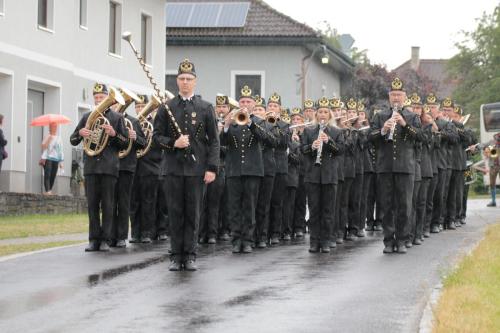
{"points": [[284, 289]]}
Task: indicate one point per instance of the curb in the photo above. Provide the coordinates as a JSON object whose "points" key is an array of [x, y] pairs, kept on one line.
{"points": [[24, 254]]}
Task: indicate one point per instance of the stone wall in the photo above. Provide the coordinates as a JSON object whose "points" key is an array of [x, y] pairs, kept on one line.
{"points": [[30, 203]]}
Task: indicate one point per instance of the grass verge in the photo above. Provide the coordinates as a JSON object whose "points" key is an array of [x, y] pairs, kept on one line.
{"points": [[42, 225], [19, 248], [470, 301]]}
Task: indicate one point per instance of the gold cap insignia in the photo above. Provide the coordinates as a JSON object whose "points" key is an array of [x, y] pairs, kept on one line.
{"points": [[431, 99], [275, 98], [308, 104], [415, 99], [259, 101], [351, 104], [246, 92], [335, 103], [186, 66], [457, 109], [397, 84], [221, 100], [361, 106], [296, 111], [427, 109], [407, 102], [323, 102], [447, 102]]}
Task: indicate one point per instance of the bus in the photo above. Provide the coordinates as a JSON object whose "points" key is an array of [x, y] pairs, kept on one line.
{"points": [[489, 125]]}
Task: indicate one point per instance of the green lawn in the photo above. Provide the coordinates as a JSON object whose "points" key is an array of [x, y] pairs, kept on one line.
{"points": [[18, 248], [42, 225], [470, 301]]}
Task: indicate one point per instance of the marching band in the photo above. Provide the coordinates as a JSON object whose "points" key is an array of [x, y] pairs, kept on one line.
{"points": [[249, 172]]}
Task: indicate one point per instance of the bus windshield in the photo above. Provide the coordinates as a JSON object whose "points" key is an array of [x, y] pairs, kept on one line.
{"points": [[491, 117]]}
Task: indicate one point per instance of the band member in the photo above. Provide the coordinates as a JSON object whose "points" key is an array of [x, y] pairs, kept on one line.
{"points": [[447, 134], [245, 168], [468, 178], [191, 142], [368, 169], [123, 191], [338, 229], [292, 181], [161, 228], [493, 167], [281, 158], [101, 171], [299, 215], [394, 132], [321, 144], [423, 173], [143, 212], [213, 211], [262, 214]]}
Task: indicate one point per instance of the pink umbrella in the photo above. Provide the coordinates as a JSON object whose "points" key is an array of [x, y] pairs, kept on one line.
{"points": [[47, 119]]}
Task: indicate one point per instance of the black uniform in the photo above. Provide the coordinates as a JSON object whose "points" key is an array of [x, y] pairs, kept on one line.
{"points": [[349, 175], [429, 206], [292, 182], [395, 172], [338, 228], [280, 179], [196, 118], [356, 220], [101, 173], [368, 203], [299, 213], [244, 170], [321, 181], [161, 226], [123, 188], [463, 211]]}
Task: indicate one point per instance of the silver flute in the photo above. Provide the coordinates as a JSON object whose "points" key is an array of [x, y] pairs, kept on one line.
{"points": [[322, 126], [395, 110]]}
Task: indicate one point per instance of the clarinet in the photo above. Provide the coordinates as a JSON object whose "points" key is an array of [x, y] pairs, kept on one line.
{"points": [[395, 110], [322, 126]]}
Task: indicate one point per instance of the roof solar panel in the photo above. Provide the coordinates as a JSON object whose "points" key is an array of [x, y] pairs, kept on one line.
{"points": [[206, 15]]}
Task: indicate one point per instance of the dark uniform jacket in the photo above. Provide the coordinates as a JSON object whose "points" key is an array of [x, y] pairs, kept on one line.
{"points": [[154, 162], [349, 154], [268, 149], [129, 162], [326, 172], [359, 148], [280, 154], [398, 155], [459, 156], [426, 168], [369, 158], [436, 145], [341, 158], [244, 149], [196, 118], [448, 136], [294, 160], [107, 162]]}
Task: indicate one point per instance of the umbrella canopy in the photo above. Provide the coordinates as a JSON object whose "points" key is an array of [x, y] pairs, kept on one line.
{"points": [[47, 119]]}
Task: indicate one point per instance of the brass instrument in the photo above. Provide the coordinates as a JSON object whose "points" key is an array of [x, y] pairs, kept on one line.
{"points": [[95, 143], [395, 110], [463, 120], [240, 117], [127, 36], [129, 97], [322, 126], [271, 118], [493, 151], [146, 126]]}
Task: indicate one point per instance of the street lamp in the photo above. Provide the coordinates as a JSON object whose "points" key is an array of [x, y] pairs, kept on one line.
{"points": [[325, 59]]}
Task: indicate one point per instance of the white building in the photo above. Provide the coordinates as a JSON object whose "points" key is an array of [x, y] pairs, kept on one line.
{"points": [[51, 52]]}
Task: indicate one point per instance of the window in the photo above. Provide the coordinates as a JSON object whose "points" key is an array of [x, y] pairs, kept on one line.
{"points": [[146, 38], [491, 117], [2, 10], [115, 23], [253, 81], [171, 83], [46, 14], [83, 13]]}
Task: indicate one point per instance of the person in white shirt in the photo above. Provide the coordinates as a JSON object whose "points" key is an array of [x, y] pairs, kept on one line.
{"points": [[52, 157]]}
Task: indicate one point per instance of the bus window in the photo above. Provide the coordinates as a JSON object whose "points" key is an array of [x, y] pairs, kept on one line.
{"points": [[491, 117]]}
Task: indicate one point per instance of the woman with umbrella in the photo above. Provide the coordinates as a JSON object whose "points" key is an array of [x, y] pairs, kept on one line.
{"points": [[52, 155]]}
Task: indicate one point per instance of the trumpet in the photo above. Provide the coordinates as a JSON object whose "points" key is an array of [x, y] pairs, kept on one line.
{"points": [[129, 97], [271, 118], [493, 151], [240, 117]]}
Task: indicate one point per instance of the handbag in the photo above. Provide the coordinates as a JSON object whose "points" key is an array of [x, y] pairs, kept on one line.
{"points": [[4, 154]]}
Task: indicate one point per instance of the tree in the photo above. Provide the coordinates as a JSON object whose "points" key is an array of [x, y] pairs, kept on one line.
{"points": [[477, 65]]}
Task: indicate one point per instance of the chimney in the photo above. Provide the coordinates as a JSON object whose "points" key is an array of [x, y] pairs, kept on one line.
{"points": [[415, 57]]}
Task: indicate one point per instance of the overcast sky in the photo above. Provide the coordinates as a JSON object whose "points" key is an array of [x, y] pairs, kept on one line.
{"points": [[388, 28]]}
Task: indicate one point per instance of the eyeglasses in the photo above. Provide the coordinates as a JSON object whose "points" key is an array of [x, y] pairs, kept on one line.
{"points": [[187, 79]]}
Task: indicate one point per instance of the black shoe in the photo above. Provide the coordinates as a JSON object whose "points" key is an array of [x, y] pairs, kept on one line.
{"points": [[275, 241], [360, 233], [462, 221], [247, 248], [261, 245], [491, 204], [92, 247], [435, 229], [236, 247], [314, 248], [427, 234], [224, 237], [121, 243], [350, 237], [339, 240], [451, 226], [458, 224], [369, 227], [325, 249], [401, 249], [388, 249], [408, 244], [333, 244], [145, 240], [104, 247], [417, 241], [190, 265], [163, 237], [287, 238], [211, 240], [174, 266], [299, 234], [377, 228], [134, 240], [441, 227], [112, 243]]}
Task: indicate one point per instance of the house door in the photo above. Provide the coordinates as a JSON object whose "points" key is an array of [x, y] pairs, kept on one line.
{"points": [[34, 175]]}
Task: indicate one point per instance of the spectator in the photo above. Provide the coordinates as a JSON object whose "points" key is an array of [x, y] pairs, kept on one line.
{"points": [[52, 157], [3, 143]]}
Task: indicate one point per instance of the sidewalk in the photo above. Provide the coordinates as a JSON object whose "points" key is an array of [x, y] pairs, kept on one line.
{"points": [[45, 239]]}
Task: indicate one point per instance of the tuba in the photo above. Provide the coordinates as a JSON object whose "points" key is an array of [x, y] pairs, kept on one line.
{"points": [[129, 97], [95, 143], [146, 125]]}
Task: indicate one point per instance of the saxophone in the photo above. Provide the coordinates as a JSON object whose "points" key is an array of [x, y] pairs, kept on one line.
{"points": [[129, 97], [95, 143]]}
